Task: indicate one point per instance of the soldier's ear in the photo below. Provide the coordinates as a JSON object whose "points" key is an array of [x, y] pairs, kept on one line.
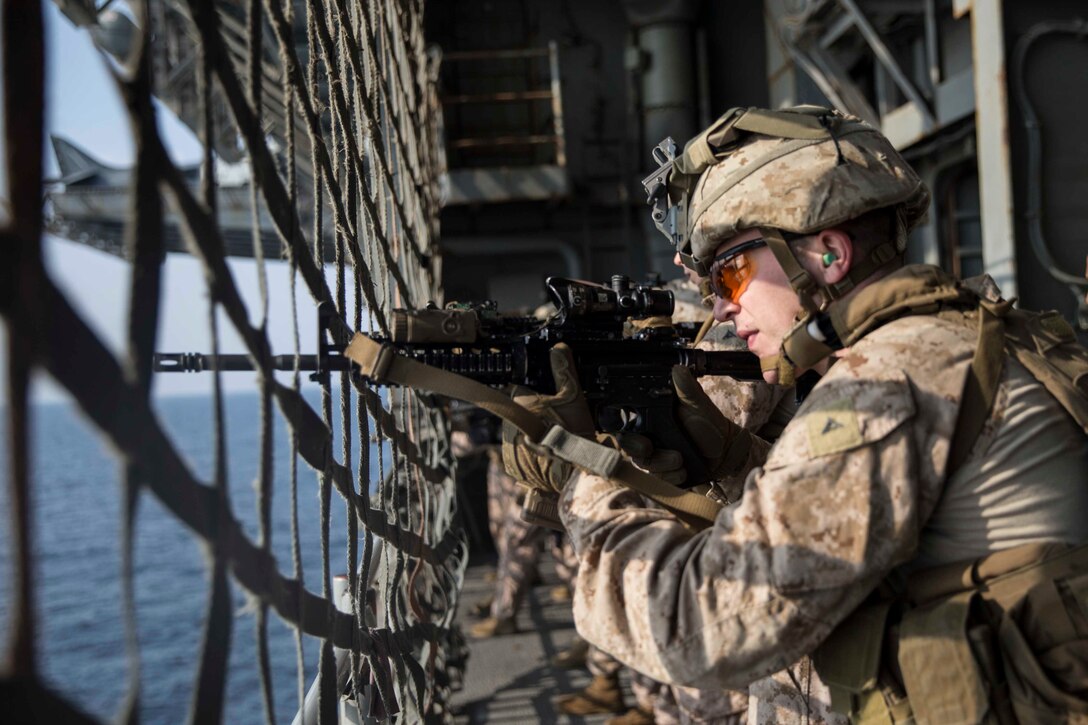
{"points": [[835, 251]]}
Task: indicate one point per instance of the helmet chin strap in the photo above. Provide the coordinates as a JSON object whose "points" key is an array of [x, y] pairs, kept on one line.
{"points": [[802, 283], [706, 293], [800, 280], [807, 343], [814, 337], [787, 373]]}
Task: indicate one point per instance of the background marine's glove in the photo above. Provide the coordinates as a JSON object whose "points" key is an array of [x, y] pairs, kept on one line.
{"points": [[531, 463]]}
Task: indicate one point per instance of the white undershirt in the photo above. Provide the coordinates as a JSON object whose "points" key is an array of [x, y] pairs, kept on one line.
{"points": [[1025, 481]]}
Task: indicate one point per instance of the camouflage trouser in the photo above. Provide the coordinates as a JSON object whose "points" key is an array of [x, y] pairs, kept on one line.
{"points": [[650, 695], [566, 561], [600, 663], [518, 543], [673, 704], [496, 503], [711, 706], [656, 697]]}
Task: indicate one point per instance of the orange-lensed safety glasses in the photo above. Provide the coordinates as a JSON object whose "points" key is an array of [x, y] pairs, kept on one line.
{"points": [[732, 270]]}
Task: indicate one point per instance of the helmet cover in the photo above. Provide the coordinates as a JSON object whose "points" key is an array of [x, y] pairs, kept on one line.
{"points": [[800, 185]]}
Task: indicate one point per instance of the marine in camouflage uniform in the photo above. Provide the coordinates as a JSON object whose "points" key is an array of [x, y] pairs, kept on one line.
{"points": [[518, 545], [837, 505], [889, 468]]}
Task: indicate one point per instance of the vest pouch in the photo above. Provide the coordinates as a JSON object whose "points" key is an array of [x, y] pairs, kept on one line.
{"points": [[943, 679], [848, 663], [1044, 645], [1036, 700]]}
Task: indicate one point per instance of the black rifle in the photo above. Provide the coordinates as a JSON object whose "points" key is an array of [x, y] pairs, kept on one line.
{"points": [[627, 378]]}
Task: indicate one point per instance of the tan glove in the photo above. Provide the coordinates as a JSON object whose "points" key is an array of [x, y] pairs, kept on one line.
{"points": [[525, 460], [724, 444]]}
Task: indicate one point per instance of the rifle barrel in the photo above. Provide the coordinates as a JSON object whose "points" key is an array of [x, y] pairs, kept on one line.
{"points": [[485, 367], [195, 362]]}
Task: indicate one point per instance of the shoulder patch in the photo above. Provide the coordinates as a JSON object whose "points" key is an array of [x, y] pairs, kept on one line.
{"points": [[833, 428], [842, 414]]}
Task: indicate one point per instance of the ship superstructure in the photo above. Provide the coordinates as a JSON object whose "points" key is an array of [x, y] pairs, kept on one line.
{"points": [[467, 150]]}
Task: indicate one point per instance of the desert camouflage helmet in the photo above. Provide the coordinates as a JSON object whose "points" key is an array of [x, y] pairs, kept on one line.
{"points": [[797, 170], [790, 172]]}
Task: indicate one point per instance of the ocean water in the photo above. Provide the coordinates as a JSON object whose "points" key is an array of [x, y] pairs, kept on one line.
{"points": [[77, 505]]}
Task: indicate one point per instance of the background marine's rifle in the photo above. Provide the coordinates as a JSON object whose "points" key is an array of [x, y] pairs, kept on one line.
{"points": [[627, 378]]}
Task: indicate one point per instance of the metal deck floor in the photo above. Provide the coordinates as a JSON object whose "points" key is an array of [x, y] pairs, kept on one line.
{"points": [[509, 679]]}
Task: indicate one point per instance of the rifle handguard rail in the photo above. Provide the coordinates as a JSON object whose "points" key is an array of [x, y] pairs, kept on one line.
{"points": [[382, 360]]}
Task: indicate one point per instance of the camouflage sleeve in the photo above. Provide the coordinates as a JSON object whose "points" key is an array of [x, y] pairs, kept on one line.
{"points": [[749, 404], [838, 504]]}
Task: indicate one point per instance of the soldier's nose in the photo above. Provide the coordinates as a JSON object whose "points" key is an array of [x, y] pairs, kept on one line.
{"points": [[725, 310]]}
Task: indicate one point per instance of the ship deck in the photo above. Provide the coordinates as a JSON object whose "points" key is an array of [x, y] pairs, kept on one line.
{"points": [[509, 679]]}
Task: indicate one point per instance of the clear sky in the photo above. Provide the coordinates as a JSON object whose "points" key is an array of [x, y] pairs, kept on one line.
{"points": [[84, 107]]}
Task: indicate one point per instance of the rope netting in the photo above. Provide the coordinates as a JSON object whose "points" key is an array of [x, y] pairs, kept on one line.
{"points": [[334, 102]]}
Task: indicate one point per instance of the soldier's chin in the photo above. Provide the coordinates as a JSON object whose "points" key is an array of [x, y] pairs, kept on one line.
{"points": [[771, 376]]}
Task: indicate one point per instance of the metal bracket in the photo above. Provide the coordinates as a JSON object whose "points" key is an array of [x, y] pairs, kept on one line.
{"points": [[656, 185]]}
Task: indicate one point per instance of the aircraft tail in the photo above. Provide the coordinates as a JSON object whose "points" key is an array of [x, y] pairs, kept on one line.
{"points": [[73, 160]]}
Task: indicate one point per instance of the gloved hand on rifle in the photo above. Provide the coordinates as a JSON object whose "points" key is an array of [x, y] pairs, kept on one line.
{"points": [[529, 462], [535, 466], [725, 446]]}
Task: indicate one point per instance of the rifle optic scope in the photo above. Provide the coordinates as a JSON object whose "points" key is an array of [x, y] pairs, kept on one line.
{"points": [[623, 298]]}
